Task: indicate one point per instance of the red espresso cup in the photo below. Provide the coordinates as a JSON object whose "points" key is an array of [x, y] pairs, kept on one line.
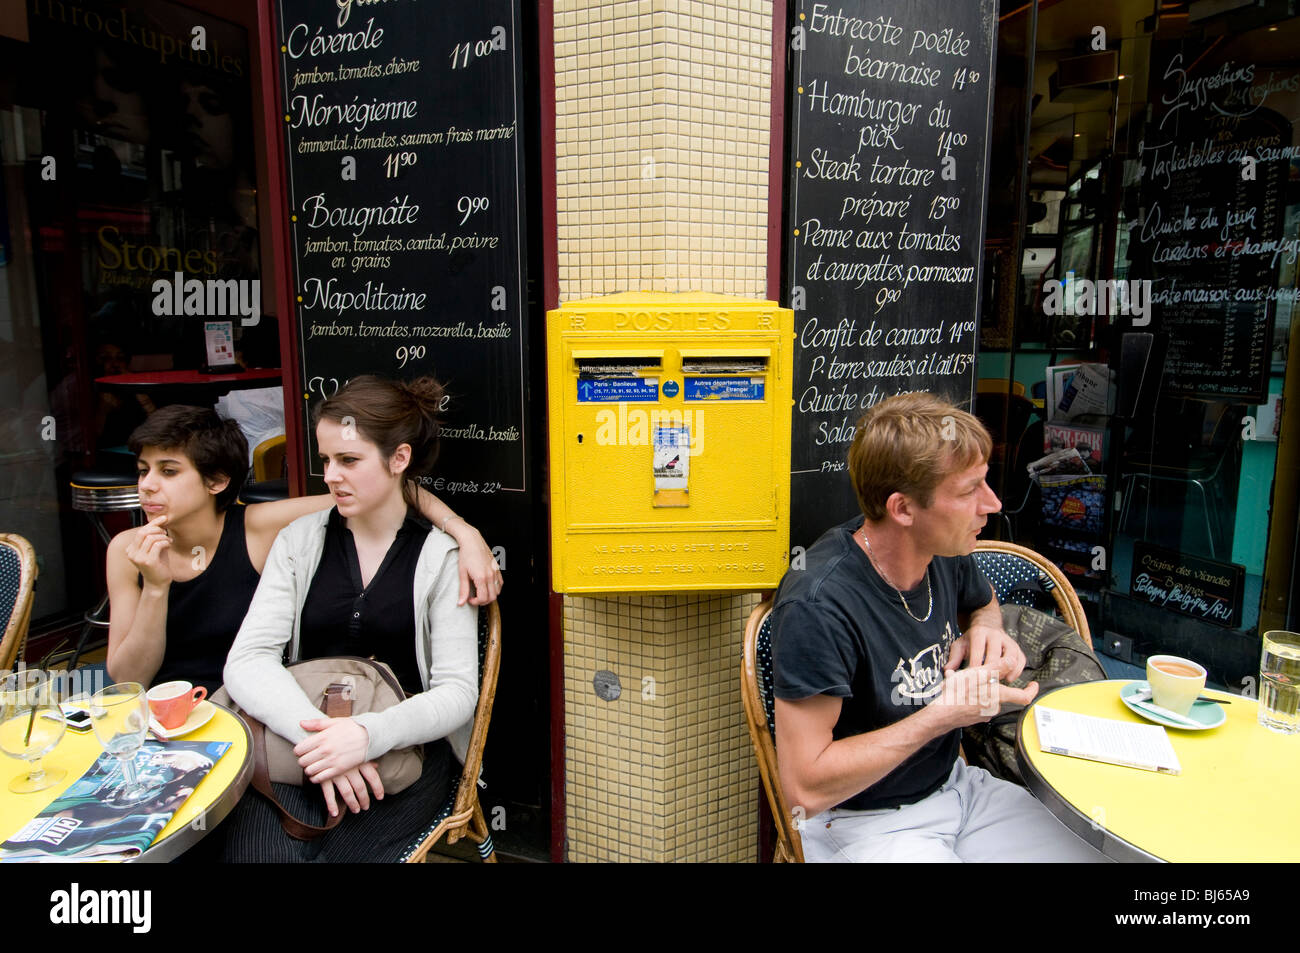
{"points": [[172, 702]]}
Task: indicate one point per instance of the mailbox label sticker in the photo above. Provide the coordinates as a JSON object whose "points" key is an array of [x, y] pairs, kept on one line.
{"points": [[672, 454], [724, 388], [614, 389]]}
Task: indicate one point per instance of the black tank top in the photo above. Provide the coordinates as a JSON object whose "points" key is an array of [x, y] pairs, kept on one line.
{"points": [[342, 617], [205, 613]]}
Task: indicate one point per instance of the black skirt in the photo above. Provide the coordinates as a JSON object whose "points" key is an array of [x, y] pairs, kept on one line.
{"points": [[252, 833]]}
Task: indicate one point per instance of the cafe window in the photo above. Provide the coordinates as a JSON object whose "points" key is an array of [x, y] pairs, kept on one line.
{"points": [[1149, 324], [128, 160]]}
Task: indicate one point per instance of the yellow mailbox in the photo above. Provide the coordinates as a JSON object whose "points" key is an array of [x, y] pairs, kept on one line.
{"points": [[670, 442]]}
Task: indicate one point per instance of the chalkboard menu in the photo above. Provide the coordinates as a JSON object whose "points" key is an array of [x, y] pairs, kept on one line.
{"points": [[403, 140], [1196, 587], [890, 105], [1213, 167]]}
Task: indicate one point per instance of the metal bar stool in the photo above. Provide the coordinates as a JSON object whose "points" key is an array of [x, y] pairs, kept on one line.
{"points": [[95, 492]]}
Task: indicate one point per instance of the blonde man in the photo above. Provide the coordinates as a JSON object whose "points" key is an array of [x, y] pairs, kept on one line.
{"points": [[874, 676]]}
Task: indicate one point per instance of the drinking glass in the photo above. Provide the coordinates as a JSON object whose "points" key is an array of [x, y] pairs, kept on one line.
{"points": [[1279, 682], [120, 716], [31, 725]]}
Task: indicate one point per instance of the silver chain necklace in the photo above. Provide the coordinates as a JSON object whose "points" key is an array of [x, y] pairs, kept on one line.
{"points": [[928, 588]]}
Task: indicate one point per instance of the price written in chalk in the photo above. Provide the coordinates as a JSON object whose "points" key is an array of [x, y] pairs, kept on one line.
{"points": [[413, 353], [397, 161], [467, 205], [462, 54], [948, 140], [963, 76], [940, 205]]}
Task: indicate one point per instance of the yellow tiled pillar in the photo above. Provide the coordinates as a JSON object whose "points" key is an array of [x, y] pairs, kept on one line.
{"points": [[658, 762], [662, 126], [663, 112]]}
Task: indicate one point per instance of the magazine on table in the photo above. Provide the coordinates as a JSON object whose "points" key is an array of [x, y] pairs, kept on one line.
{"points": [[95, 818]]}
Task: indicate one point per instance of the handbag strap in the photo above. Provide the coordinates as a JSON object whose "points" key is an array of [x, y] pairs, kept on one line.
{"points": [[299, 830]]}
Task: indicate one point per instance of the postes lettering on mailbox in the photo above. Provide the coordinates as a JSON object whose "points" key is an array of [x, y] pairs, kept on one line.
{"points": [[672, 320]]}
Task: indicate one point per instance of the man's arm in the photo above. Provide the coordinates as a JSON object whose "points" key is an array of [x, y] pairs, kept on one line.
{"points": [[818, 772]]}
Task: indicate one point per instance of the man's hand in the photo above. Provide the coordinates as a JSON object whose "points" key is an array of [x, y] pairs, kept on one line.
{"points": [[987, 645], [973, 695], [351, 786], [335, 747], [147, 551]]}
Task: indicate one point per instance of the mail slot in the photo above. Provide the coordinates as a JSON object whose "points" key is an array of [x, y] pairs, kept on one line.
{"points": [[669, 442]]}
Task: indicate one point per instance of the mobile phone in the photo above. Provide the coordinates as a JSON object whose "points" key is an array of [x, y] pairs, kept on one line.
{"points": [[78, 719]]}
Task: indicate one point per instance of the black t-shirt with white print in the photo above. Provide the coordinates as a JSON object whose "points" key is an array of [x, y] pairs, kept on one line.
{"points": [[839, 629]]}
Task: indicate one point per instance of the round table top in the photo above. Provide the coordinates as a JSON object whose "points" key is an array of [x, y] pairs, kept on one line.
{"points": [[240, 380], [1233, 801], [214, 798]]}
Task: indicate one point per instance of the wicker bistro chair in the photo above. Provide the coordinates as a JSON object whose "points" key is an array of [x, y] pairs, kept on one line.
{"points": [[1024, 577], [757, 693], [268, 459], [462, 815], [17, 582]]}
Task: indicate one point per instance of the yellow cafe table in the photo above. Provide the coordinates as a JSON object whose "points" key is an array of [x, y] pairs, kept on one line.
{"points": [[214, 798], [1234, 801]]}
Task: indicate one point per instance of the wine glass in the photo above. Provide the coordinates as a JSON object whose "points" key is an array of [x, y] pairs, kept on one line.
{"points": [[120, 716], [31, 725]]}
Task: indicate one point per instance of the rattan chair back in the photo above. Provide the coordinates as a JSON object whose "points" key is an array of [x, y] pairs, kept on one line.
{"points": [[757, 695], [17, 582], [992, 556], [463, 815]]}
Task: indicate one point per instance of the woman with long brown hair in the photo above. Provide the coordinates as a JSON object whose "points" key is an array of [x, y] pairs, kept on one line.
{"points": [[368, 578]]}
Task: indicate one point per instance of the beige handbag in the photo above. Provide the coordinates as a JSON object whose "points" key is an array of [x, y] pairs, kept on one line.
{"points": [[340, 686]]}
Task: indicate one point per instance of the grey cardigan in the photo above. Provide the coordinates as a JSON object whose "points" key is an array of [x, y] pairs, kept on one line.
{"points": [[446, 647]]}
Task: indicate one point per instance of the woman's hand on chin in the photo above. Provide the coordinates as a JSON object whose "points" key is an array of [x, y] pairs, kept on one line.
{"points": [[351, 787], [147, 551], [334, 747]]}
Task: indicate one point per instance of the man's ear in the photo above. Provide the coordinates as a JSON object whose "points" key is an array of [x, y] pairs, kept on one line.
{"points": [[900, 508]]}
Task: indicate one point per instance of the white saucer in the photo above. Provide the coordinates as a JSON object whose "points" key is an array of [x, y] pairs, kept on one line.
{"points": [[1204, 714], [199, 717]]}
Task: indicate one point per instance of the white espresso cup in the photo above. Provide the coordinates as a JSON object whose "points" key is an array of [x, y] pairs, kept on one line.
{"points": [[1175, 682]]}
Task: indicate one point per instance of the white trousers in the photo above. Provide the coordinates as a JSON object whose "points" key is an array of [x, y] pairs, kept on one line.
{"points": [[973, 818]]}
